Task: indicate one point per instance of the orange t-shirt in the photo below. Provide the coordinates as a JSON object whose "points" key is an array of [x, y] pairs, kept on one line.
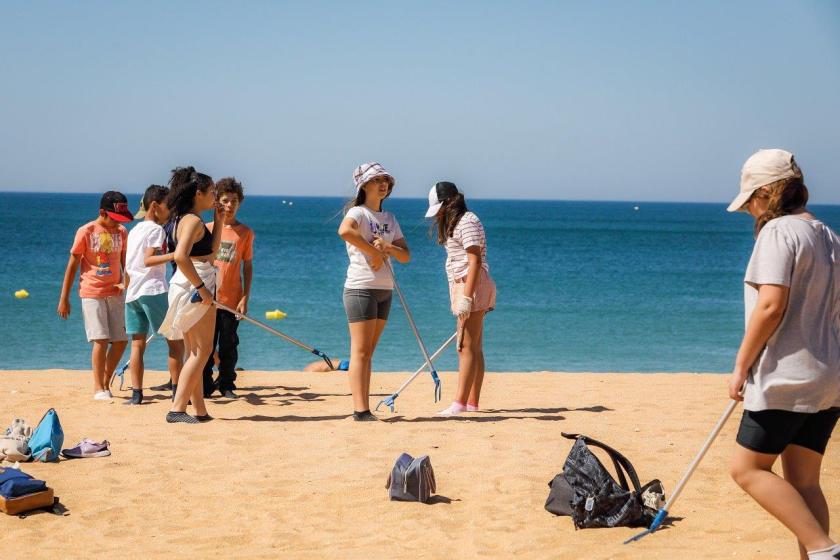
{"points": [[237, 245], [102, 250]]}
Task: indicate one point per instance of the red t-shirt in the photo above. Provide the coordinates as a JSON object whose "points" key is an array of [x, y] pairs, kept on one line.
{"points": [[237, 245], [103, 251]]}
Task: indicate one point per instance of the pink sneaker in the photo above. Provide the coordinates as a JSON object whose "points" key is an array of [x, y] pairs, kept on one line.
{"points": [[472, 408], [453, 409]]}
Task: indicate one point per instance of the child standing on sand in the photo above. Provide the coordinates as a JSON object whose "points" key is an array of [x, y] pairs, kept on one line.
{"points": [[790, 355], [146, 294], [371, 235], [235, 271], [472, 292], [191, 289], [99, 251]]}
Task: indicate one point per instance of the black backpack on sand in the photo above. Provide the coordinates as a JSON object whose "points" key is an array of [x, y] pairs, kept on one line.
{"points": [[587, 492], [411, 480]]}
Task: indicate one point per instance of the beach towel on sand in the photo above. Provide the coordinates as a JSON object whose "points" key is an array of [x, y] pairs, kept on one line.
{"points": [[183, 313], [587, 492]]}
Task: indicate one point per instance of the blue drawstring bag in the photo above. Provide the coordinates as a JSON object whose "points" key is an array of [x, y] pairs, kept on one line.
{"points": [[47, 439]]}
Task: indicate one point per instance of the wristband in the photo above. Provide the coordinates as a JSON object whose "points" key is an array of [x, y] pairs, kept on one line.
{"points": [[199, 286]]}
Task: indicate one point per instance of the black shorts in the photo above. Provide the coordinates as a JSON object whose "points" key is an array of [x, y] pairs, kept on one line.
{"points": [[771, 431]]}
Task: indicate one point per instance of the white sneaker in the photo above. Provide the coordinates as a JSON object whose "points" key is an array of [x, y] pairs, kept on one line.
{"points": [[102, 396]]}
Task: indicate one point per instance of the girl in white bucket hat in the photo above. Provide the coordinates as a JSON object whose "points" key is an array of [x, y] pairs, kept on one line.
{"points": [[371, 235], [472, 292], [789, 360]]}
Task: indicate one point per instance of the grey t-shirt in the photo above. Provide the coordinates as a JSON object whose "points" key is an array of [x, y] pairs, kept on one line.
{"points": [[799, 369]]}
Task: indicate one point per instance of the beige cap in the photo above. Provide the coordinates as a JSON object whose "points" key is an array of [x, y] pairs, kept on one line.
{"points": [[763, 168], [141, 212]]}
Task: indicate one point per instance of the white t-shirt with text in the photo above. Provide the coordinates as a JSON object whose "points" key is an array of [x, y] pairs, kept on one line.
{"points": [[371, 224], [144, 280]]}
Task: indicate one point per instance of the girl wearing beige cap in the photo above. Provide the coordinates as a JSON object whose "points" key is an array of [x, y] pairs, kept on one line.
{"points": [[788, 365]]}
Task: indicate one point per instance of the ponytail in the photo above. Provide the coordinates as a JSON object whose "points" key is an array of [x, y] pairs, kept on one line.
{"points": [[184, 184], [448, 217], [785, 197]]}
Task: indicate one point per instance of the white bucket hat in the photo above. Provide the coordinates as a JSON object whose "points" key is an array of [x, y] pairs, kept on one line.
{"points": [[439, 192], [369, 171], [763, 168]]}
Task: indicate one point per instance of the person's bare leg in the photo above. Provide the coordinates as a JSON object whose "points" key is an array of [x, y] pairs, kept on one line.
{"points": [[198, 346], [380, 326], [112, 360], [801, 468], [478, 377], [175, 361], [753, 472], [135, 360], [361, 335], [470, 347], [98, 356]]}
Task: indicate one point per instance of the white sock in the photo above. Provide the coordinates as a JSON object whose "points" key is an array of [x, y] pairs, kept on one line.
{"points": [[830, 553]]}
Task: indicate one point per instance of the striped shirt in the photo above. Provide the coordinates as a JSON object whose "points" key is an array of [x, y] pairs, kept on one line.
{"points": [[468, 233]]}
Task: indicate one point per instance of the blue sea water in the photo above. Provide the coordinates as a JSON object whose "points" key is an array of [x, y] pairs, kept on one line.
{"points": [[582, 286]]}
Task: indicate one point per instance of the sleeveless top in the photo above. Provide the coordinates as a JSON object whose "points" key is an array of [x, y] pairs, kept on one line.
{"points": [[203, 246]]}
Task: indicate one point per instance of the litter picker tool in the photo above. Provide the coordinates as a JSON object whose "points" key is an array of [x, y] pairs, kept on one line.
{"points": [[274, 331], [389, 401], [121, 372], [432, 370], [663, 512]]}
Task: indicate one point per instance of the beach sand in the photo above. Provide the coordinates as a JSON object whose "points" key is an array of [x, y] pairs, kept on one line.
{"points": [[283, 472]]}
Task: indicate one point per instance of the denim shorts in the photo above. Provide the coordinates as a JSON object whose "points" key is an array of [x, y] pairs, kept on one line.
{"points": [[362, 304]]}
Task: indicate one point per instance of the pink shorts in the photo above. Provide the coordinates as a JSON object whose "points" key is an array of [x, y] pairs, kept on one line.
{"points": [[484, 298]]}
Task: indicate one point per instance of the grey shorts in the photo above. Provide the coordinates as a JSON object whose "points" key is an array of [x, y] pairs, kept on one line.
{"points": [[105, 318], [366, 304]]}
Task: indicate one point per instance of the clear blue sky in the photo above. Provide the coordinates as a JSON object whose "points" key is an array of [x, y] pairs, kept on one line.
{"points": [[577, 100]]}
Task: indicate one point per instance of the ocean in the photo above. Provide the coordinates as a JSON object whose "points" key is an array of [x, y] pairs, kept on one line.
{"points": [[582, 286]]}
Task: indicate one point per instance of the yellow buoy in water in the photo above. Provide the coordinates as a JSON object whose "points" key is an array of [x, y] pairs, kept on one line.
{"points": [[275, 315], [21, 294]]}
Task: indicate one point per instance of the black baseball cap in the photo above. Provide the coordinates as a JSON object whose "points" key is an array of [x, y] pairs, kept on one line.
{"points": [[115, 205]]}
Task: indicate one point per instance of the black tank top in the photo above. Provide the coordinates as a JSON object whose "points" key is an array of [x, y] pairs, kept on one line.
{"points": [[203, 246]]}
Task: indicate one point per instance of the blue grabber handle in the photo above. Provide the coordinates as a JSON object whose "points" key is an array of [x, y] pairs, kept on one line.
{"points": [[437, 385], [388, 401], [324, 357], [121, 375], [657, 521]]}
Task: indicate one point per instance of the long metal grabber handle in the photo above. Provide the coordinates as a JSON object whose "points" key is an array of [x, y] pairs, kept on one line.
{"points": [[274, 331], [432, 370], [663, 512], [121, 372], [389, 401]]}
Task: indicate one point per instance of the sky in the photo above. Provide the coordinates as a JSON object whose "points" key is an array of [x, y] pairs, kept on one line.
{"points": [[608, 100]]}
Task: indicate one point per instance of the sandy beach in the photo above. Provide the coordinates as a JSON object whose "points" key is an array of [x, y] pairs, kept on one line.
{"points": [[284, 472]]}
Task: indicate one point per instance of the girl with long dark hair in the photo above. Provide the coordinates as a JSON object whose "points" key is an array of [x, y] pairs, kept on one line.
{"points": [[472, 292], [191, 289]]}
